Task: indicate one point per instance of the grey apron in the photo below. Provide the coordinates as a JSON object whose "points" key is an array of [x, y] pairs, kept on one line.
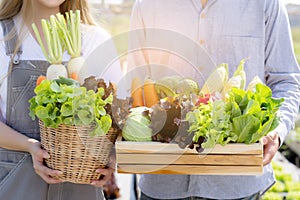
{"points": [[18, 179]]}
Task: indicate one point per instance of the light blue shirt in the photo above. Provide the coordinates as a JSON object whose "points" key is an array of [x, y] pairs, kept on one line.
{"points": [[228, 30]]}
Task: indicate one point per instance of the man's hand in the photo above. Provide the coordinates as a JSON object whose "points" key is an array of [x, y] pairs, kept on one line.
{"points": [[271, 144]]}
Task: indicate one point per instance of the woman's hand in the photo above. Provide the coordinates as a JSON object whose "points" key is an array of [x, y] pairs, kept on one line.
{"points": [[106, 174], [271, 144], [38, 155]]}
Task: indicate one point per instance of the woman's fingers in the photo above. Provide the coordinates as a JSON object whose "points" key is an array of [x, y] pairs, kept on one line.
{"points": [[38, 155], [105, 172], [105, 176], [49, 175]]}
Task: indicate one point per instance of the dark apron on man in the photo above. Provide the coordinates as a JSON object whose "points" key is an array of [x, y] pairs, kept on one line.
{"points": [[18, 179]]}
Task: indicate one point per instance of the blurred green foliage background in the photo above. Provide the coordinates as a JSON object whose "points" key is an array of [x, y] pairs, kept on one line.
{"points": [[296, 38]]}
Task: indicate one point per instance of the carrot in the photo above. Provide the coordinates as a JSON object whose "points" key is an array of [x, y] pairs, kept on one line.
{"points": [[137, 92], [150, 94], [74, 76], [40, 79]]}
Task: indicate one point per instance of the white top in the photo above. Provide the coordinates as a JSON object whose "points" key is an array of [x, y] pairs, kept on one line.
{"points": [[96, 46]]}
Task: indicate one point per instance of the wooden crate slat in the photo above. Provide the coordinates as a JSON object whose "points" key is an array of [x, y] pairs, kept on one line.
{"points": [[157, 148], [227, 159], [167, 158], [190, 169]]}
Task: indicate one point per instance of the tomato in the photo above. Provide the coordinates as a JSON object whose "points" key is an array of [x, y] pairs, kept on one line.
{"points": [[203, 99]]}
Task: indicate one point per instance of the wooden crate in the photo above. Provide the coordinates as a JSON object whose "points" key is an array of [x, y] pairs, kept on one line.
{"points": [[165, 158]]}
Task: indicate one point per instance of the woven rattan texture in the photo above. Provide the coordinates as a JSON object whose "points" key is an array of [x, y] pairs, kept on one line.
{"points": [[74, 152]]}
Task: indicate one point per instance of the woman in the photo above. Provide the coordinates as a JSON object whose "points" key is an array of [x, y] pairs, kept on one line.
{"points": [[22, 172], [228, 31]]}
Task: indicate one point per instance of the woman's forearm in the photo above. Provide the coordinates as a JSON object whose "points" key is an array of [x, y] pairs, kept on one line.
{"points": [[13, 140]]}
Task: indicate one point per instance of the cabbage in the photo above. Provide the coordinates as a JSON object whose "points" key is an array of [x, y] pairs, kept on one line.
{"points": [[137, 123]]}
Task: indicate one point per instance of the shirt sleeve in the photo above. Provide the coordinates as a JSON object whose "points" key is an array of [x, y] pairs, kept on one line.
{"points": [[282, 71]]}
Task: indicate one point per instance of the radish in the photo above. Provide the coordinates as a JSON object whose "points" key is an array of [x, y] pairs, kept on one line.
{"points": [[75, 65], [55, 49], [70, 32]]}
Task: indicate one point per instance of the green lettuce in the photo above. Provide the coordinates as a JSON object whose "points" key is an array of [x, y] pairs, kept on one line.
{"points": [[245, 117], [63, 101]]}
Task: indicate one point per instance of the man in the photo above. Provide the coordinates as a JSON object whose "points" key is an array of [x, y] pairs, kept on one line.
{"points": [[228, 31]]}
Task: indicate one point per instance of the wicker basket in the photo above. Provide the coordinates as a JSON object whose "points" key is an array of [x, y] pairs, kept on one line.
{"points": [[74, 152]]}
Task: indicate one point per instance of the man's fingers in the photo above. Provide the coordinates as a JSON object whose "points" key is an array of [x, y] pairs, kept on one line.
{"points": [[271, 144], [272, 137], [267, 159]]}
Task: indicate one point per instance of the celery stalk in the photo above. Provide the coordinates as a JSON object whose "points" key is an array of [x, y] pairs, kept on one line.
{"points": [[73, 31], [47, 36], [39, 39], [78, 32], [61, 22], [54, 50], [54, 38], [70, 31]]}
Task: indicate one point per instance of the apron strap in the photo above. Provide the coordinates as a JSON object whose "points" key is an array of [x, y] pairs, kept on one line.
{"points": [[9, 30]]}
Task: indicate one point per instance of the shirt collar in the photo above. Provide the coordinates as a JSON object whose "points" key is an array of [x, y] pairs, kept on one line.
{"points": [[198, 6]]}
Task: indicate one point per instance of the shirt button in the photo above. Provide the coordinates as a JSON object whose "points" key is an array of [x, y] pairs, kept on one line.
{"points": [[201, 41], [203, 15]]}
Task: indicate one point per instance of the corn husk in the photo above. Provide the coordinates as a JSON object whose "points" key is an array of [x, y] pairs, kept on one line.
{"points": [[238, 80], [216, 80], [253, 83]]}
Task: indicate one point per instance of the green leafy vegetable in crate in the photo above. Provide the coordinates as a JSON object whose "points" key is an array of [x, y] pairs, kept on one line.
{"points": [[234, 114], [222, 112]]}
